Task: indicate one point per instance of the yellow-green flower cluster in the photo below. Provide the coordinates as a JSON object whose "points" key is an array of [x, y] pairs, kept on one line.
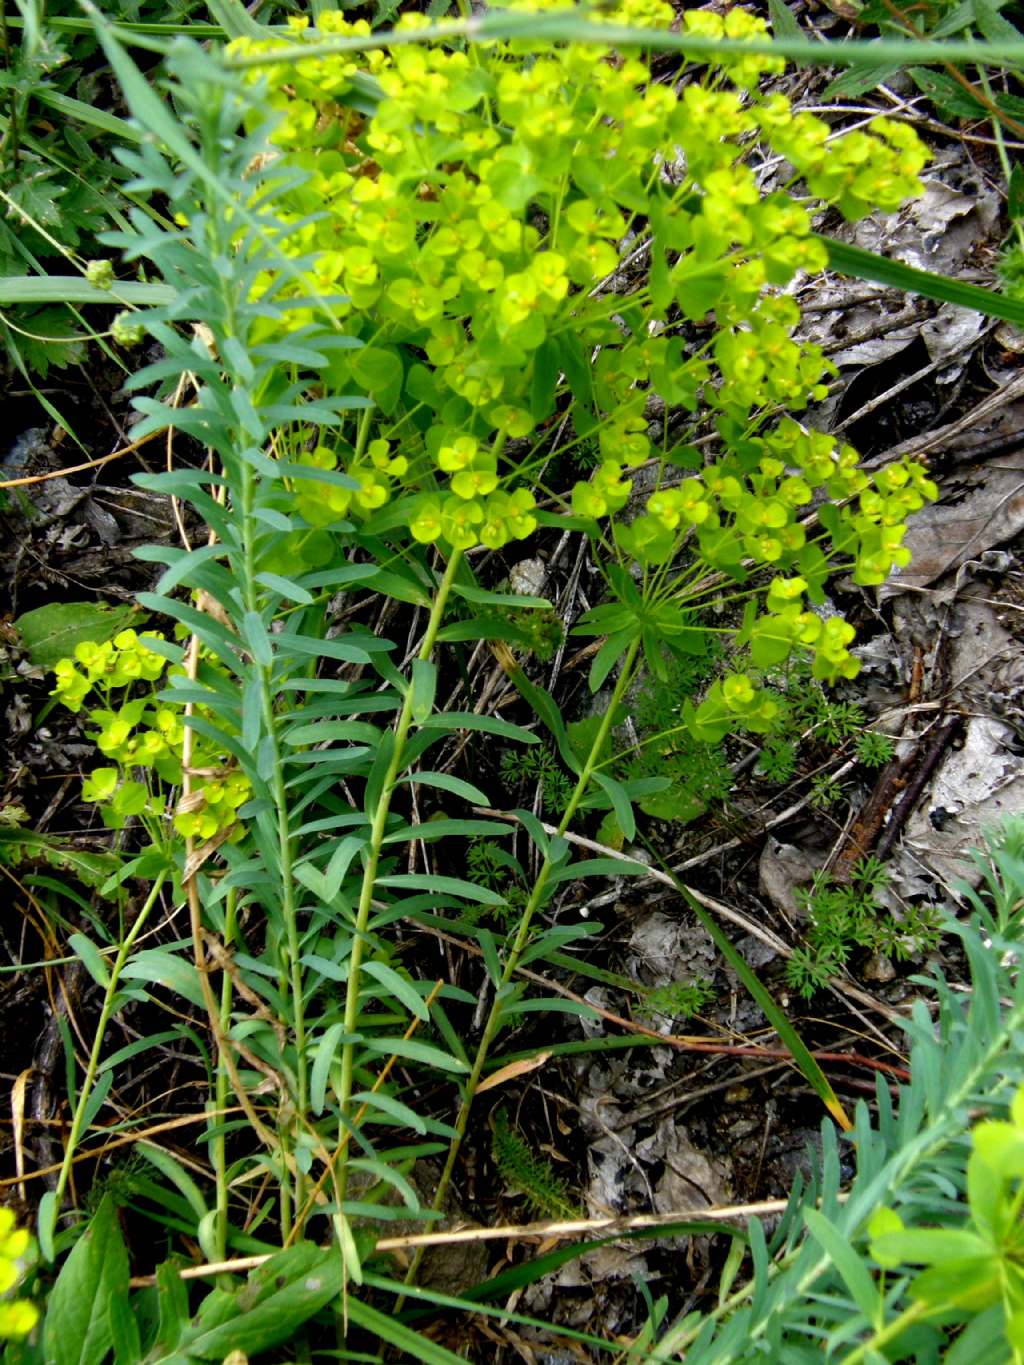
{"points": [[375, 473], [142, 733], [744, 72], [477, 511], [732, 702], [213, 808], [17, 1316], [465, 229], [112, 663]]}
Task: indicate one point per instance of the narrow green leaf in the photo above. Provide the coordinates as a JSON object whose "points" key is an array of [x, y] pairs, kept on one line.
{"points": [[285, 586], [482, 627], [387, 1104], [424, 687], [46, 1223], [235, 19], [258, 640], [847, 1261], [88, 114], [395, 1333], [453, 886], [325, 1053], [1015, 193], [788, 1035], [16, 289], [868, 265], [415, 1051], [490, 725], [175, 1172], [447, 783], [481, 597], [490, 951], [97, 1099], [91, 959], [429, 830], [621, 803], [140, 1045], [398, 986]]}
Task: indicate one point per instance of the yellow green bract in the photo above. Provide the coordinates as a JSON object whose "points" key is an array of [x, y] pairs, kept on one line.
{"points": [[17, 1316], [468, 234], [141, 732]]}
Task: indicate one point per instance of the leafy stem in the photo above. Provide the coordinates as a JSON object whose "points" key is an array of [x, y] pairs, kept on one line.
{"points": [[373, 851], [110, 1004], [522, 937]]}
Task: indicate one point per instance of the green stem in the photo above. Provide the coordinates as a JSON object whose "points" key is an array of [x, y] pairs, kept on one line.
{"points": [[109, 1001], [289, 961], [888, 1333], [522, 938], [378, 829], [218, 1146]]}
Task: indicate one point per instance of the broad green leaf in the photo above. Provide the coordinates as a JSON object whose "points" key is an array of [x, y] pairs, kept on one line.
{"points": [[858, 80], [172, 1301], [50, 633], [281, 1295], [948, 95], [783, 23], [78, 1328], [381, 373]]}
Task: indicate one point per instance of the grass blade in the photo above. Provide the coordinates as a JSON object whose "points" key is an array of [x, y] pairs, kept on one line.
{"points": [[788, 1035], [868, 265], [77, 289]]}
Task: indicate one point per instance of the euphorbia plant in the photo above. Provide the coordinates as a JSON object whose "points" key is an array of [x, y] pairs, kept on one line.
{"points": [[474, 226], [405, 313]]}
